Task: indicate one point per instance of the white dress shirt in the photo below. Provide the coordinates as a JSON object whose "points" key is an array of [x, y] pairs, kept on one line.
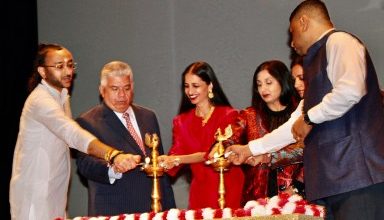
{"points": [[346, 71], [41, 162]]}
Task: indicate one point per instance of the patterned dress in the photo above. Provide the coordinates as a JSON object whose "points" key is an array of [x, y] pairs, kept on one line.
{"points": [[266, 179]]}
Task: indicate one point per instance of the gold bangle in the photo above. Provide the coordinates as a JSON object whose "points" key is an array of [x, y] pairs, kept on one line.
{"points": [[107, 155]]}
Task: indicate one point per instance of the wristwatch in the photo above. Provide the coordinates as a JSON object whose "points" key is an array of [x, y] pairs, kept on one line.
{"points": [[307, 120]]}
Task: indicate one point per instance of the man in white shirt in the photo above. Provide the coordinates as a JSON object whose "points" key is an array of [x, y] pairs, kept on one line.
{"points": [[340, 120], [41, 163]]}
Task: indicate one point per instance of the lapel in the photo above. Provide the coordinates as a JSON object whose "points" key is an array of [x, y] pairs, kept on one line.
{"points": [[114, 123]]}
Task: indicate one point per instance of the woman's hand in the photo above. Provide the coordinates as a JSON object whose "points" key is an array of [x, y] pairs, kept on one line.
{"points": [[169, 161], [256, 160]]}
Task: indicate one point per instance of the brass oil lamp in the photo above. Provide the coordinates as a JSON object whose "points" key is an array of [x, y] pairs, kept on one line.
{"points": [[220, 163], [152, 168]]}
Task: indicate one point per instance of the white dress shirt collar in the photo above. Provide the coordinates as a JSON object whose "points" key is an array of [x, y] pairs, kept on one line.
{"points": [[60, 96], [325, 32], [132, 117]]}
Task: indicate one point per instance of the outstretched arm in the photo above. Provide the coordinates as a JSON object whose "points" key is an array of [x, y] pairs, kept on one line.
{"points": [[271, 142]]}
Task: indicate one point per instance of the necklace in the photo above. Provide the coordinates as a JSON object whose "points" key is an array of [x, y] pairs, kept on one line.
{"points": [[205, 117]]}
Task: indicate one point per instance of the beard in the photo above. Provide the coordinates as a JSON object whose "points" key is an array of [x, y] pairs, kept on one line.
{"points": [[59, 83]]}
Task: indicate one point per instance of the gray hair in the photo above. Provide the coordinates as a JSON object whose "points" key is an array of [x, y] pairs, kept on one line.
{"points": [[115, 68]]}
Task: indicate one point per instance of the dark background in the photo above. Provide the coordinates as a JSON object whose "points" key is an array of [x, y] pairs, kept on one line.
{"points": [[19, 34]]}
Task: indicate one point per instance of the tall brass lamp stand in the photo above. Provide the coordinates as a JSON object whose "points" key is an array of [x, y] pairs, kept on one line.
{"points": [[152, 168], [220, 163]]}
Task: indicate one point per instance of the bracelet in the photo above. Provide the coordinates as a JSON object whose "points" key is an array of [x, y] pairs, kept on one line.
{"points": [[113, 156], [273, 156], [110, 155], [107, 156], [176, 161]]}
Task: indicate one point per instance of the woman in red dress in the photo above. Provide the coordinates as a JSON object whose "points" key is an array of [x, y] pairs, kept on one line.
{"points": [[274, 99], [204, 109]]}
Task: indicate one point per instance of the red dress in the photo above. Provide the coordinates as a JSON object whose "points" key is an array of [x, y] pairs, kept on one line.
{"points": [[190, 136]]}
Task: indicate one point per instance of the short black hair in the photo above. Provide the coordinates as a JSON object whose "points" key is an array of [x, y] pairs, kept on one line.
{"points": [[311, 6]]}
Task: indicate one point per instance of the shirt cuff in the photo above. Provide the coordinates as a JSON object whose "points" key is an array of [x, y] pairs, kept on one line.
{"points": [[113, 176], [315, 115], [256, 147]]}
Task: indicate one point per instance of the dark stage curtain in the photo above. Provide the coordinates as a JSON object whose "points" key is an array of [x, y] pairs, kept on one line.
{"points": [[19, 44]]}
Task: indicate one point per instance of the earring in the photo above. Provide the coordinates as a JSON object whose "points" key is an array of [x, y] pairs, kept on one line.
{"points": [[210, 94]]}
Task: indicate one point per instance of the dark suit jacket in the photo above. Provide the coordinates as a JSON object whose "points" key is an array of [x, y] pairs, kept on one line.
{"points": [[131, 193]]}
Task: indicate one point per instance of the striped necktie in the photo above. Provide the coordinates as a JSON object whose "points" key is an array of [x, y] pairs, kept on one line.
{"points": [[133, 132]]}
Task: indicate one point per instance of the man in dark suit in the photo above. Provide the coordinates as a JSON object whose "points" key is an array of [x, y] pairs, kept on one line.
{"points": [[109, 191]]}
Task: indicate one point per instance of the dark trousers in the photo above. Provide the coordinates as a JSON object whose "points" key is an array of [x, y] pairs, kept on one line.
{"points": [[361, 204]]}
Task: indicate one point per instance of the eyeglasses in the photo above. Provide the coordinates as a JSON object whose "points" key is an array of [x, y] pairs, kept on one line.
{"points": [[61, 66]]}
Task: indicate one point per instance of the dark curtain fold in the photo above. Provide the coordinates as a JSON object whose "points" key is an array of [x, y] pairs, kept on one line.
{"points": [[20, 39]]}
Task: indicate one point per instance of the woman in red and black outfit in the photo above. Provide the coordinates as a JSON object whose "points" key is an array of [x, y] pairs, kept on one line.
{"points": [[274, 99]]}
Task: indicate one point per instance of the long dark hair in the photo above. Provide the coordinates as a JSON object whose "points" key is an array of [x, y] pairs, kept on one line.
{"points": [[296, 60], [280, 72], [41, 54], [206, 73]]}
